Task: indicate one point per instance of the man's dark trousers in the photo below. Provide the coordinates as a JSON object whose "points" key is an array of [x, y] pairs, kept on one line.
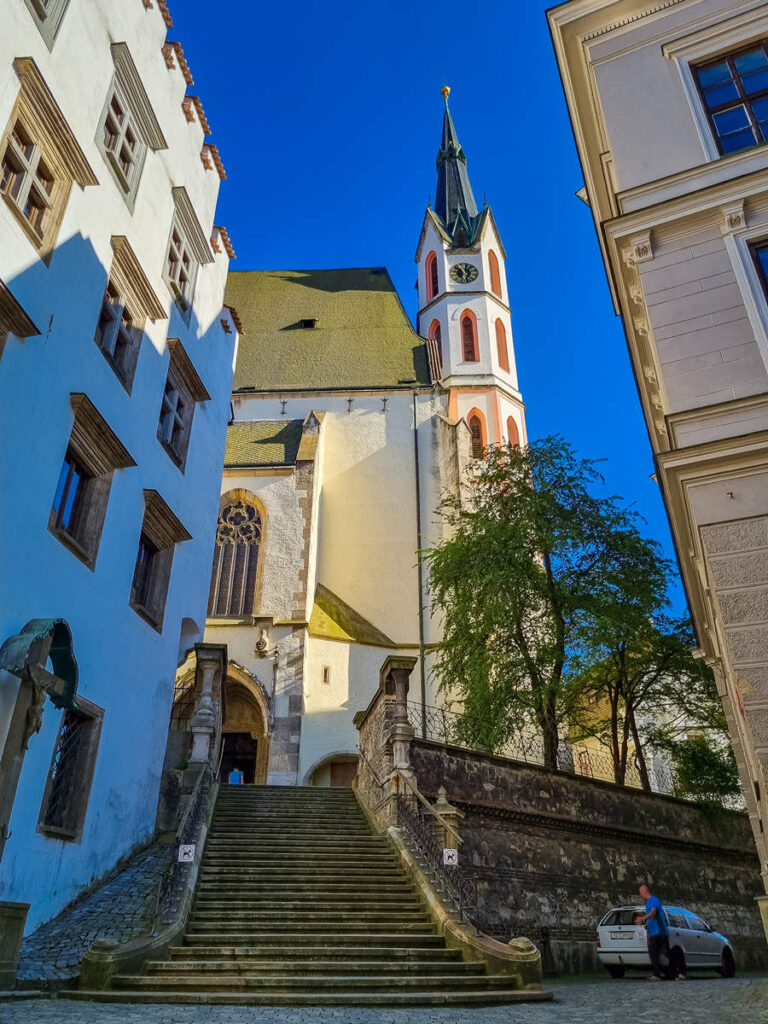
{"points": [[655, 947]]}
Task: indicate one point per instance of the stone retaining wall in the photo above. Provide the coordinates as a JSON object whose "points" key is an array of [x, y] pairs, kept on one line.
{"points": [[554, 852]]}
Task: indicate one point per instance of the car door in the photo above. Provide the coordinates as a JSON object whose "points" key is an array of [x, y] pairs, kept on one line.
{"points": [[679, 933], [711, 944], [696, 941]]}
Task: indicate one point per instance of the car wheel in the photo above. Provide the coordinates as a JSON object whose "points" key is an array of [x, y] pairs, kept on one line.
{"points": [[676, 962], [728, 967], [615, 970]]}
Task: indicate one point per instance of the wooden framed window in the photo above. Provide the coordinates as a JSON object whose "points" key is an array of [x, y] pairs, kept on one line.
{"points": [[501, 346], [734, 91], [117, 335], [759, 252], [161, 531], [431, 276], [39, 160], [435, 351], [469, 337], [493, 267], [48, 16], [234, 577], [476, 424], [513, 434], [183, 389], [188, 249], [68, 788], [127, 126], [85, 478]]}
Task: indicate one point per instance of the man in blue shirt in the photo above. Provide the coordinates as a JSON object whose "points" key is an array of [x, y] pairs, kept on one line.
{"points": [[656, 929]]}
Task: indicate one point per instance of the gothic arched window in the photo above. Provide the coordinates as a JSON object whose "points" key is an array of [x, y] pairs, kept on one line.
{"points": [[431, 269], [501, 346], [236, 558], [493, 266], [435, 350], [476, 424], [513, 433], [469, 337]]}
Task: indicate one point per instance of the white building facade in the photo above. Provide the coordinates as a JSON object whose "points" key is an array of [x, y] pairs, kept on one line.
{"points": [[669, 104], [116, 363], [349, 428]]}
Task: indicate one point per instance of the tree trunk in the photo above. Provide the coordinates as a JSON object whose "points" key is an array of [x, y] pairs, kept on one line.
{"points": [[618, 772], [548, 724], [642, 767]]}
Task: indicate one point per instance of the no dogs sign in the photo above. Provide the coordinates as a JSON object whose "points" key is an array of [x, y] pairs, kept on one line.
{"points": [[451, 858], [187, 854]]}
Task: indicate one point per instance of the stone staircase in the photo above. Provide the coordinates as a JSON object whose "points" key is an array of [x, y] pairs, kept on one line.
{"points": [[299, 903]]}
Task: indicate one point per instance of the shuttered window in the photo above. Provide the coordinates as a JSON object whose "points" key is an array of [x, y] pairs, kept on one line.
{"points": [[468, 338]]}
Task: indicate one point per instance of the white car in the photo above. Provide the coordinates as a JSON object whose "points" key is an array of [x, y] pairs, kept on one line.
{"points": [[693, 945]]}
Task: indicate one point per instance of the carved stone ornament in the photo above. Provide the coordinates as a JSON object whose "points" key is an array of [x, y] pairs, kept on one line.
{"points": [[642, 248], [263, 646], [734, 217]]}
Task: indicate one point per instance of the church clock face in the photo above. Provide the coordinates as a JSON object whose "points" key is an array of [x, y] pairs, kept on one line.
{"points": [[463, 273]]}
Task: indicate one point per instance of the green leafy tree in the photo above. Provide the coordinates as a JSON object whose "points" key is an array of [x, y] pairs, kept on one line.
{"points": [[517, 583]]}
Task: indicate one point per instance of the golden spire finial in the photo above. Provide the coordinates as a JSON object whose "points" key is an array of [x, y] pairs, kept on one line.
{"points": [[445, 92]]}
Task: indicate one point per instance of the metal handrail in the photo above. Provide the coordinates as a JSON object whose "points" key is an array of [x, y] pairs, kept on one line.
{"points": [[425, 803]]}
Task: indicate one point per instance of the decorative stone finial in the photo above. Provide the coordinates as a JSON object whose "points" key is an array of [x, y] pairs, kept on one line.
{"points": [[445, 92]]}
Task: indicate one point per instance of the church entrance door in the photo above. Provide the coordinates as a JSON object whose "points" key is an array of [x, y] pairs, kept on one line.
{"points": [[240, 751]]}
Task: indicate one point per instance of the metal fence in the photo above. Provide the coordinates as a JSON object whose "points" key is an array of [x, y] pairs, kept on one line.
{"points": [[443, 726]]}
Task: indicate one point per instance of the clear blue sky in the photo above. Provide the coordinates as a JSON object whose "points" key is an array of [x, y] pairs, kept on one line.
{"points": [[328, 119]]}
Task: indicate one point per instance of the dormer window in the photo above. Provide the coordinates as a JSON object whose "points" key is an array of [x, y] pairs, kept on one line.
{"points": [[308, 323]]}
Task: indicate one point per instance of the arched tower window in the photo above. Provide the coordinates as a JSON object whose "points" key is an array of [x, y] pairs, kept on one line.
{"points": [[431, 272], [501, 346], [476, 424], [513, 434], [435, 350], [236, 558], [493, 266], [469, 337]]}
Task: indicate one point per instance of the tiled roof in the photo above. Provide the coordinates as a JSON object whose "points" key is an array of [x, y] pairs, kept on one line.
{"points": [[362, 337], [334, 619], [263, 443]]}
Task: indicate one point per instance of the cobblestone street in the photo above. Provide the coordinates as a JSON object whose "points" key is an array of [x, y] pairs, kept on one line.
{"points": [[698, 1001]]}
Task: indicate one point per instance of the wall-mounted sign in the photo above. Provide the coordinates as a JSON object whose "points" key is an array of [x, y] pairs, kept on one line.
{"points": [[187, 854], [451, 858]]}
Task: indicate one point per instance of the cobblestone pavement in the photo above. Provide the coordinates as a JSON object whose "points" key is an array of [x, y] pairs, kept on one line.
{"points": [[698, 1001], [119, 909]]}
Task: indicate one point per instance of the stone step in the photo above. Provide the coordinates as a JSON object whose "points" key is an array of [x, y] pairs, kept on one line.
{"points": [[320, 872], [308, 954], [303, 833], [331, 915], [338, 967], [338, 924], [312, 902], [312, 937], [257, 845], [385, 998], [229, 890], [321, 982]]}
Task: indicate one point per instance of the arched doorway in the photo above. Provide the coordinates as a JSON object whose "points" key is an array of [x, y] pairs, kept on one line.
{"points": [[246, 730], [336, 772]]}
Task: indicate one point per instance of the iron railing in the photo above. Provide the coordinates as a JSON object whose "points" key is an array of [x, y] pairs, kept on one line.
{"points": [[443, 726]]}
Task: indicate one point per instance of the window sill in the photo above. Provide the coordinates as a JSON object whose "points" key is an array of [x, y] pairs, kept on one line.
{"points": [[74, 546], [126, 381], [55, 832], [147, 615]]}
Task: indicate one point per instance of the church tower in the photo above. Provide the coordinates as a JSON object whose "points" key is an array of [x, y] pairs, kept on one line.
{"points": [[464, 306]]}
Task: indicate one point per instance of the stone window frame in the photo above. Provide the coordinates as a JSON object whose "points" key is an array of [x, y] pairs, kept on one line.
{"points": [[84, 766], [53, 145], [182, 391], [48, 16], [188, 249], [13, 318], [138, 119], [95, 447], [128, 302], [160, 532]]}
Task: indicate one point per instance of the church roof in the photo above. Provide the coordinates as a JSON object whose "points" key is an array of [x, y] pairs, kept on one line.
{"points": [[455, 204], [263, 442], [334, 619], [362, 337]]}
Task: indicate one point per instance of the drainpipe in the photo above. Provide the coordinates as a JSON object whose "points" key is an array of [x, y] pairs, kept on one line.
{"points": [[420, 571]]}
